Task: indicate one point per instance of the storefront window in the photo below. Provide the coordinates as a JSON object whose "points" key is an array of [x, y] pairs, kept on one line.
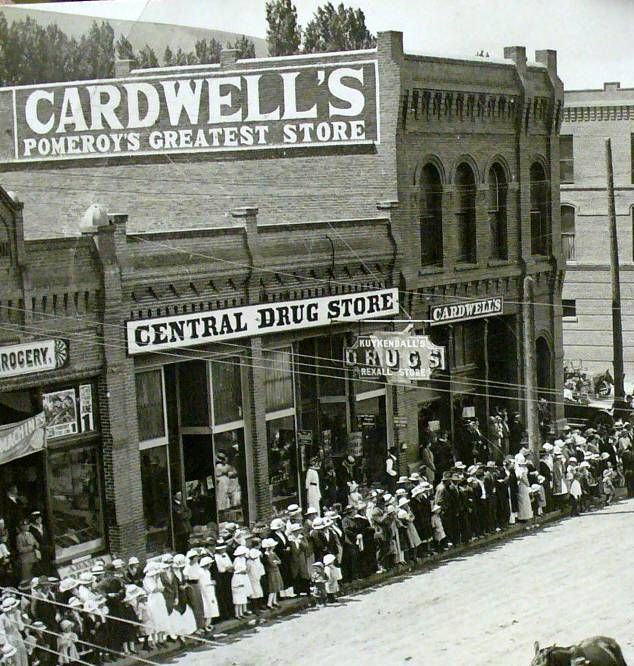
{"points": [[192, 379], [156, 498], [278, 380], [283, 472], [75, 501], [149, 404], [231, 476], [227, 390]]}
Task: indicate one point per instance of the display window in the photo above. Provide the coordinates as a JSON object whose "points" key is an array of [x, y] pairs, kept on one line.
{"points": [[155, 484], [150, 404], [75, 499], [370, 421]]}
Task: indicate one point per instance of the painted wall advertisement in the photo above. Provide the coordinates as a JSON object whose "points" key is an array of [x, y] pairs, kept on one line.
{"points": [[211, 111]]}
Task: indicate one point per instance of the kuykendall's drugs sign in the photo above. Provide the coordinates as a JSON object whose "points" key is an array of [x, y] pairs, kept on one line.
{"points": [[397, 356], [211, 111]]}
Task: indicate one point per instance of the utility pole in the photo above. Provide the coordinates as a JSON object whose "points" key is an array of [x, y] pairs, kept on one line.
{"points": [[617, 326], [530, 370]]}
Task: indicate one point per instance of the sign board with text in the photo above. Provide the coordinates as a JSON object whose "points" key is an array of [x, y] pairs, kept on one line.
{"points": [[199, 328], [455, 312], [31, 357], [208, 111], [400, 357]]}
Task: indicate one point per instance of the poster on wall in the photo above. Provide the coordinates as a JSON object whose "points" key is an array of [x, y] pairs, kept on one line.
{"points": [[85, 408], [61, 413]]}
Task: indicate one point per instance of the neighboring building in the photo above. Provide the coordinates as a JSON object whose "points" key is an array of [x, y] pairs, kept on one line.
{"points": [[246, 247], [589, 117]]}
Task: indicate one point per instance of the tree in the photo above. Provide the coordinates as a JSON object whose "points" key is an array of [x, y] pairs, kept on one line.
{"points": [[98, 49], [146, 58], [283, 33], [168, 57], [340, 29], [206, 51], [244, 46], [125, 50]]}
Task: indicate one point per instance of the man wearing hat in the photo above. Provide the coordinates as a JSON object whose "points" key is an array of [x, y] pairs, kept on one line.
{"points": [[182, 522], [224, 572], [420, 506], [347, 472]]}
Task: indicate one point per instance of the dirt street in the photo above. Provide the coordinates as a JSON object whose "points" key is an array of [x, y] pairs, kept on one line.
{"points": [[568, 581]]}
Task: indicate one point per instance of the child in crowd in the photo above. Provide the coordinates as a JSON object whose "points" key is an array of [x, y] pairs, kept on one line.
{"points": [[255, 571], [333, 575], [318, 583], [272, 567], [239, 583], [575, 493], [609, 491], [436, 523]]}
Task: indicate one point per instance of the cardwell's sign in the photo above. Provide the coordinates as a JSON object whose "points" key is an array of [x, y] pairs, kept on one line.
{"points": [[31, 357], [284, 107], [199, 328], [448, 314]]}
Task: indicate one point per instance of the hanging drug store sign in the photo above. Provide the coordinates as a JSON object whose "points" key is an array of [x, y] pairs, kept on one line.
{"points": [[199, 328], [448, 314], [399, 357], [284, 107]]}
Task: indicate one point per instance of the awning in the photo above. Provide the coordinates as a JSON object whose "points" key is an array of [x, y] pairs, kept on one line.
{"points": [[23, 438]]}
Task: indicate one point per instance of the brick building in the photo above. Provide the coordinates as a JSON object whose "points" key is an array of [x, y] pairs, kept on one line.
{"points": [[589, 117], [236, 265]]}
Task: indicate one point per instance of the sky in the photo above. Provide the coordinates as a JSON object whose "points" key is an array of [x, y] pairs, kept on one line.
{"points": [[593, 38]]}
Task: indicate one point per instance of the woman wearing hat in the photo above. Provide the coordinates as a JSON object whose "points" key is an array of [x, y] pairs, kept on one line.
{"points": [[208, 590], [37, 644], [28, 550], [182, 620], [7, 655], [274, 581], [12, 626], [191, 572], [156, 608], [223, 573]]}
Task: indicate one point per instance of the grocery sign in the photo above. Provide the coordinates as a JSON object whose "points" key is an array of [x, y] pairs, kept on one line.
{"points": [[211, 111]]}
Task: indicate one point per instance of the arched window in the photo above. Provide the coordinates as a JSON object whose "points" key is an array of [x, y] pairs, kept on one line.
{"points": [[466, 213], [568, 232], [540, 211], [498, 188], [430, 216], [5, 242]]}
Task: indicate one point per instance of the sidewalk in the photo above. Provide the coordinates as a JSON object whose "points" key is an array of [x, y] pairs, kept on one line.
{"points": [[298, 604]]}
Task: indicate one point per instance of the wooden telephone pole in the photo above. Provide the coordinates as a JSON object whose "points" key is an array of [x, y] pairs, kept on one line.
{"points": [[617, 326], [530, 370]]}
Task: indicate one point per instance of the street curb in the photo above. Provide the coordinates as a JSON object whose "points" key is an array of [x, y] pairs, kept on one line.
{"points": [[232, 627]]}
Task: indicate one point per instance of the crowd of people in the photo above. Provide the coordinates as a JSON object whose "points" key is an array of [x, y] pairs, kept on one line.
{"points": [[119, 607]]}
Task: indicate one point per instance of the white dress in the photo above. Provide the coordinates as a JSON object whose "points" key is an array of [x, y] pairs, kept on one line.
{"points": [[524, 508], [247, 583], [156, 609], [208, 591], [255, 571], [239, 586], [313, 490]]}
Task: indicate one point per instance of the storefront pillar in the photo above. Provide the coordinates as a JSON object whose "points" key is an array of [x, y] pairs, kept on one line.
{"points": [[121, 460], [451, 362], [256, 424], [487, 402]]}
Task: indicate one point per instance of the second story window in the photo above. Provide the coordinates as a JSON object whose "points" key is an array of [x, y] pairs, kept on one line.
{"points": [[568, 232], [498, 189], [430, 217], [466, 213], [540, 210], [566, 160]]}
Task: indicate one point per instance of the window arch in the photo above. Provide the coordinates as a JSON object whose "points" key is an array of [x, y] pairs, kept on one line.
{"points": [[568, 232], [540, 210], [498, 192], [431, 251], [466, 212]]}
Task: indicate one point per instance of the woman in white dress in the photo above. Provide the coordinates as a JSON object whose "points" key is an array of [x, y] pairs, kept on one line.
{"points": [[156, 609], [208, 590], [255, 571], [524, 507]]}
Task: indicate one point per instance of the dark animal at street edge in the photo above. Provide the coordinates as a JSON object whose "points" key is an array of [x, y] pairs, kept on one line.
{"points": [[595, 651]]}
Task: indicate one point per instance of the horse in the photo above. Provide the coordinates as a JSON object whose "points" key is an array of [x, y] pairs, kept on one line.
{"points": [[595, 651]]}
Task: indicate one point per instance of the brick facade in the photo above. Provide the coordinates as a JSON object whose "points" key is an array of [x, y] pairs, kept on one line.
{"points": [[589, 117], [204, 233]]}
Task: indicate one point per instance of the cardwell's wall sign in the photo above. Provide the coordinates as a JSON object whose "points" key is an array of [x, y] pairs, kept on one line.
{"points": [[200, 328], [31, 357], [448, 314], [284, 107]]}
